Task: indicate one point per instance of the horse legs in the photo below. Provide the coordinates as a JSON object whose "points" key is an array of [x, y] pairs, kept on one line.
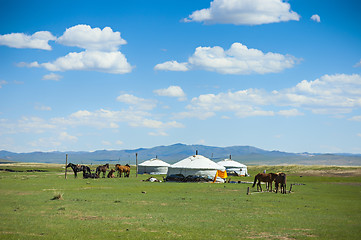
{"points": [[283, 188], [270, 186], [259, 185]]}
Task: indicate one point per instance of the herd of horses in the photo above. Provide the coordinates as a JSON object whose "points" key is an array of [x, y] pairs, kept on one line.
{"points": [[269, 178], [121, 169]]}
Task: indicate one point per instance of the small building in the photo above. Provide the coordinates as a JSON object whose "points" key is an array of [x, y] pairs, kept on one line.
{"points": [[197, 166], [234, 167], [153, 166]]}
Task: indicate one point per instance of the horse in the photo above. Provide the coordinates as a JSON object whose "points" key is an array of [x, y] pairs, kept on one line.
{"points": [[281, 180], [78, 168], [102, 168], [123, 169], [89, 175], [268, 178], [111, 173]]}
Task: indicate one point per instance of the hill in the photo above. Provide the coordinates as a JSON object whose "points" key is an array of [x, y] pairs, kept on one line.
{"points": [[173, 153]]}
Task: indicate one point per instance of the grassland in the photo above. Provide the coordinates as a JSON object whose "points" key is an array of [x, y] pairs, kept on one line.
{"points": [[327, 207]]}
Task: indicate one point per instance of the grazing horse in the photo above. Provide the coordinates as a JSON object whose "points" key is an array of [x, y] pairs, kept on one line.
{"points": [[111, 173], [102, 168], [280, 180], [123, 169], [268, 178], [78, 168]]}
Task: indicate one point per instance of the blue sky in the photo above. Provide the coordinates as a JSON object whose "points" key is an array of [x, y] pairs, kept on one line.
{"points": [[90, 75]]}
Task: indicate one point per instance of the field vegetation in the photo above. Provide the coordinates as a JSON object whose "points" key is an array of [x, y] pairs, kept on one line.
{"points": [[45, 205]]}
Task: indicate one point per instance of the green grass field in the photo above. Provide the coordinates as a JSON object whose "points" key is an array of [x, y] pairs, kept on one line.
{"points": [[326, 207]]}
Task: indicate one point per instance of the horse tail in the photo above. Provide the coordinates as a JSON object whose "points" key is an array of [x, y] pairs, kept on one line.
{"points": [[255, 180]]}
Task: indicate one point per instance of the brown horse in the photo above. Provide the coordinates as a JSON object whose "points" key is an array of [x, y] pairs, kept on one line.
{"points": [[103, 169], [280, 180], [268, 178], [123, 169]]}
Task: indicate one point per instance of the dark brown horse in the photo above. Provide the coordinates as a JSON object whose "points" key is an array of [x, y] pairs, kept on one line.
{"points": [[123, 169], [280, 180], [103, 169], [268, 178], [78, 168]]}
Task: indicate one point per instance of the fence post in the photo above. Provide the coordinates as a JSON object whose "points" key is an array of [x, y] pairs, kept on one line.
{"points": [[66, 164], [290, 188], [248, 191], [136, 164]]}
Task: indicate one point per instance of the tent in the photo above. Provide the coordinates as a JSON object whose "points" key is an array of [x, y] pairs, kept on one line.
{"points": [[233, 166], [153, 166], [196, 165]]}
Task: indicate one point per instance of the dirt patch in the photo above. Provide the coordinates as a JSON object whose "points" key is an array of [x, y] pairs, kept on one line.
{"points": [[33, 165], [12, 170], [332, 173]]}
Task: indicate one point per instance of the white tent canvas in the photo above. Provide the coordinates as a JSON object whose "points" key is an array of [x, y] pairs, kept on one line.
{"points": [[233, 166], [153, 166], [196, 165]]}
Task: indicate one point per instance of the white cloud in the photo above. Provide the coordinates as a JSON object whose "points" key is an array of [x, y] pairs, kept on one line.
{"points": [[110, 62], [84, 36], [42, 107], [358, 64], [24, 64], [356, 118], [172, 66], [38, 40], [290, 113], [245, 12], [359, 134], [52, 76], [109, 119], [107, 143], [330, 94], [101, 51], [172, 91], [239, 60], [316, 18], [194, 114], [160, 133], [118, 142], [64, 136], [26, 125], [137, 102]]}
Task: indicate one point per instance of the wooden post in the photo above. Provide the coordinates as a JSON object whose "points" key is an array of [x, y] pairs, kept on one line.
{"points": [[290, 188], [248, 191], [136, 164], [66, 164]]}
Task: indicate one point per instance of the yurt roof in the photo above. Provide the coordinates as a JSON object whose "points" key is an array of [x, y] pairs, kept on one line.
{"points": [[197, 162], [154, 162], [230, 163]]}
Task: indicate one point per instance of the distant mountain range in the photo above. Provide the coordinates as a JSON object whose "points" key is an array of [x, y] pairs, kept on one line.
{"points": [[173, 153]]}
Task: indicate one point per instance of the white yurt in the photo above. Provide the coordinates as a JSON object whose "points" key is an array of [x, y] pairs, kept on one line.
{"points": [[196, 165], [153, 166], [233, 166]]}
